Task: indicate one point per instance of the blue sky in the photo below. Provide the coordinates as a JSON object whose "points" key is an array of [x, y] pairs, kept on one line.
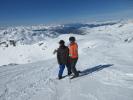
{"points": [[63, 11]]}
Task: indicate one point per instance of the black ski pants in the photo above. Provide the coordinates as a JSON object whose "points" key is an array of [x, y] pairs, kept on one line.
{"points": [[73, 62]]}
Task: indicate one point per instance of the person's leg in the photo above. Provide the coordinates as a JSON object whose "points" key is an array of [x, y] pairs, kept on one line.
{"points": [[61, 69], [73, 66], [68, 68]]}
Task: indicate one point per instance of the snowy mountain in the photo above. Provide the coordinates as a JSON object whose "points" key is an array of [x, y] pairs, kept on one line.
{"points": [[28, 68], [33, 34]]}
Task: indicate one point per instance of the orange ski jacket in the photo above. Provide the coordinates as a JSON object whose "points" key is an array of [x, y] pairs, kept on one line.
{"points": [[73, 50]]}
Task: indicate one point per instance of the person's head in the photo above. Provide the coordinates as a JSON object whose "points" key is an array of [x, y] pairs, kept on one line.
{"points": [[72, 39], [61, 42]]}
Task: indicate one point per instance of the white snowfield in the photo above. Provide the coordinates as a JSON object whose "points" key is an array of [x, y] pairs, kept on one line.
{"points": [[105, 59]]}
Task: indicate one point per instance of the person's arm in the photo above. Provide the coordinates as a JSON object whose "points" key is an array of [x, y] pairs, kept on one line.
{"points": [[58, 57], [55, 51], [67, 54], [77, 47]]}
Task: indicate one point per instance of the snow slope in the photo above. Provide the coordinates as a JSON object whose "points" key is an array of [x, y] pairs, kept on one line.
{"points": [[33, 43], [105, 58]]}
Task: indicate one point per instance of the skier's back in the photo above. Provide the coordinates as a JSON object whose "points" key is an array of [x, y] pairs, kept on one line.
{"points": [[63, 58], [73, 53]]}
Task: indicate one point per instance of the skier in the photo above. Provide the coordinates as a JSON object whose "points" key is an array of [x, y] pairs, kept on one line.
{"points": [[63, 58], [73, 54]]}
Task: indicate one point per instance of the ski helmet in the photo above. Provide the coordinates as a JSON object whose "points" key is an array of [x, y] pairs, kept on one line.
{"points": [[72, 39], [61, 42]]}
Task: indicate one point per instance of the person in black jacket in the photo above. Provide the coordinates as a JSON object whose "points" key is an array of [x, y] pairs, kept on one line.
{"points": [[63, 58]]}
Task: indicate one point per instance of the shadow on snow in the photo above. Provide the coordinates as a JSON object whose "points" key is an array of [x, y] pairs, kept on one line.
{"points": [[94, 69]]}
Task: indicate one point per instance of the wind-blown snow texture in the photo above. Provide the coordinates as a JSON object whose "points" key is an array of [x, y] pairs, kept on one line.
{"points": [[28, 70]]}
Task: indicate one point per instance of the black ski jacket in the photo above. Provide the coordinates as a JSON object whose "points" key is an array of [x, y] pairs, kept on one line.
{"points": [[63, 55]]}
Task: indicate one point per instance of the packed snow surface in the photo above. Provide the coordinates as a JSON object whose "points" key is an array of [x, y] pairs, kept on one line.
{"points": [[28, 71]]}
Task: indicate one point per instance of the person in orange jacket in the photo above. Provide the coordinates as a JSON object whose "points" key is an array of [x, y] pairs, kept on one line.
{"points": [[73, 54]]}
